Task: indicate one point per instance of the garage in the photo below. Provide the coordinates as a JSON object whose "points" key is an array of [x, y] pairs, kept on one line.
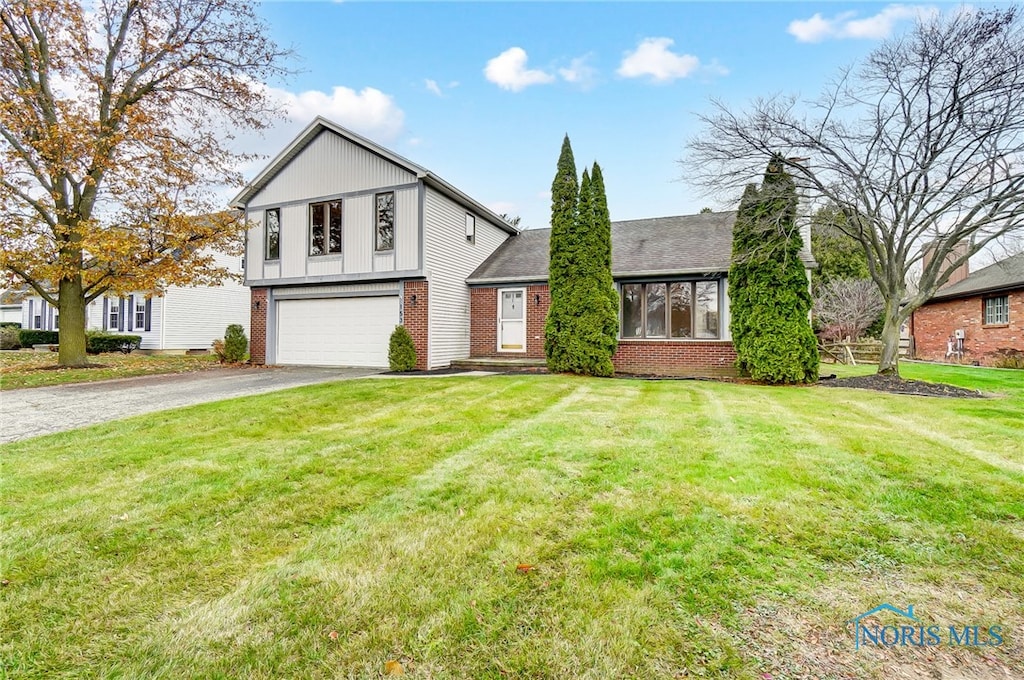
{"points": [[350, 331]]}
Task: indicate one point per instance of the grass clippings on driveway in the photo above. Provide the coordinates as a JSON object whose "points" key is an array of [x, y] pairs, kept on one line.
{"points": [[39, 369], [672, 529]]}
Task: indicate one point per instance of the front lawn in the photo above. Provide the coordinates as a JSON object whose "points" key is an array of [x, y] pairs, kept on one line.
{"points": [[519, 527], [39, 369]]}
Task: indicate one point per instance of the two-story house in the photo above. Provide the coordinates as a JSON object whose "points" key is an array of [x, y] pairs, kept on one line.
{"points": [[350, 240]]}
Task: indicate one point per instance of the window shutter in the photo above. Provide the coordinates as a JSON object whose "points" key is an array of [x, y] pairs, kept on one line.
{"points": [[149, 313], [42, 316], [131, 313], [31, 316], [120, 314], [105, 325]]}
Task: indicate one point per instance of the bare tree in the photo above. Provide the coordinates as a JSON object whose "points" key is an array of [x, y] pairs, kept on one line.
{"points": [[846, 307], [921, 143], [115, 123]]}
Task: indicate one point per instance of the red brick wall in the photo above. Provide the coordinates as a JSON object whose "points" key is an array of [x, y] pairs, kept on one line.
{"points": [[655, 357], [415, 318], [258, 326], [935, 322], [676, 357], [483, 322]]}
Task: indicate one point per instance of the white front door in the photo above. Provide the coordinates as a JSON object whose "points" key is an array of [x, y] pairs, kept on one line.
{"points": [[512, 320]]}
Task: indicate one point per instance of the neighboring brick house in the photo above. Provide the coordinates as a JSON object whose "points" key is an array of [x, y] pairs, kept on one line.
{"points": [[670, 273], [986, 309]]}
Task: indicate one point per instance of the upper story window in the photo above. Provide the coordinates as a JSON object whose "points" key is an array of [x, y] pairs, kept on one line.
{"points": [[325, 228], [997, 310], [470, 228], [385, 221], [677, 309], [272, 233]]}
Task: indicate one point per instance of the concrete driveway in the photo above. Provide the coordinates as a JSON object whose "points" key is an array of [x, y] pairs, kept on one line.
{"points": [[44, 410]]}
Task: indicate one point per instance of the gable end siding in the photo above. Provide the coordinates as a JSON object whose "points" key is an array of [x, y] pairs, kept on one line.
{"points": [[328, 163], [450, 259]]}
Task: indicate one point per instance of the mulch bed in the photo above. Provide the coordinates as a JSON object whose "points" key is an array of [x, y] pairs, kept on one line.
{"points": [[896, 385]]}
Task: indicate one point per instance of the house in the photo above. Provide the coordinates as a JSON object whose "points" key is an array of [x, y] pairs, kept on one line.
{"points": [[10, 304], [671, 277], [183, 318], [349, 240], [972, 319]]}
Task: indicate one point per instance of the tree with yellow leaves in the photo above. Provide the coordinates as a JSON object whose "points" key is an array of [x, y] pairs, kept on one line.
{"points": [[115, 128]]}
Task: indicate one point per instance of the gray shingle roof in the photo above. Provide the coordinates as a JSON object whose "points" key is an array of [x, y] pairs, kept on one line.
{"points": [[1008, 273], [686, 244]]}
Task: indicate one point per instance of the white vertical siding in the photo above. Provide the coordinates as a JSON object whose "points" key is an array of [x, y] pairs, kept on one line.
{"points": [[254, 245], [449, 260], [357, 234], [294, 241], [330, 164], [195, 316], [407, 229]]}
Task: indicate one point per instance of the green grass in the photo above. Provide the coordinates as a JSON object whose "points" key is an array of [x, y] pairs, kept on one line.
{"points": [[677, 528], [38, 369]]}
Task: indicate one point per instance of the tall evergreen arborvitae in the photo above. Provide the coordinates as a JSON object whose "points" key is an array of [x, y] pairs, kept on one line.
{"points": [[768, 289], [582, 325], [564, 207]]}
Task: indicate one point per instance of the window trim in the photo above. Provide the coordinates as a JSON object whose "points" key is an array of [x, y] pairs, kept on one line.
{"points": [[1004, 318], [266, 235], [326, 227], [470, 228], [114, 312], [376, 222], [719, 332], [140, 308]]}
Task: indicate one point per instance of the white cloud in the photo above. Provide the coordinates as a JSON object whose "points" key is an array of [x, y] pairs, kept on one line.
{"points": [[433, 87], [847, 25], [653, 58], [579, 72], [369, 112], [508, 71]]}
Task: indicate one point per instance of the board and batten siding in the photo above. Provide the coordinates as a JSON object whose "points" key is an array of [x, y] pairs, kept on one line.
{"points": [[330, 164], [358, 255], [450, 259]]}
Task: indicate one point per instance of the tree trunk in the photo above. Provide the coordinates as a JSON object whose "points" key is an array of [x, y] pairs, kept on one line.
{"points": [[889, 362], [71, 307]]}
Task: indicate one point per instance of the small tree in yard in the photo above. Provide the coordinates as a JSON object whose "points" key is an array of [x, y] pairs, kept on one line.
{"points": [[235, 343], [921, 143], [116, 119], [582, 325], [401, 350], [845, 308], [769, 299]]}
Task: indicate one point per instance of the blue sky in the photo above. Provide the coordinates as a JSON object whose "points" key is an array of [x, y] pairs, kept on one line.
{"points": [[482, 93]]}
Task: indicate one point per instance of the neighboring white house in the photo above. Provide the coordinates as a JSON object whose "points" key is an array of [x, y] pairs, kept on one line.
{"points": [[350, 241], [10, 305], [182, 318]]}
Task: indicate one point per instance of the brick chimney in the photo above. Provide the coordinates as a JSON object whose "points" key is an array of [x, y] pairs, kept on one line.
{"points": [[957, 251]]}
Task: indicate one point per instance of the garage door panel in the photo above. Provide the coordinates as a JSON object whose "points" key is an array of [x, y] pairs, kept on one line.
{"points": [[336, 331]]}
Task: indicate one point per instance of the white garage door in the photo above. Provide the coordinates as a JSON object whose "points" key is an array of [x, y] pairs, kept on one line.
{"points": [[336, 331]]}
